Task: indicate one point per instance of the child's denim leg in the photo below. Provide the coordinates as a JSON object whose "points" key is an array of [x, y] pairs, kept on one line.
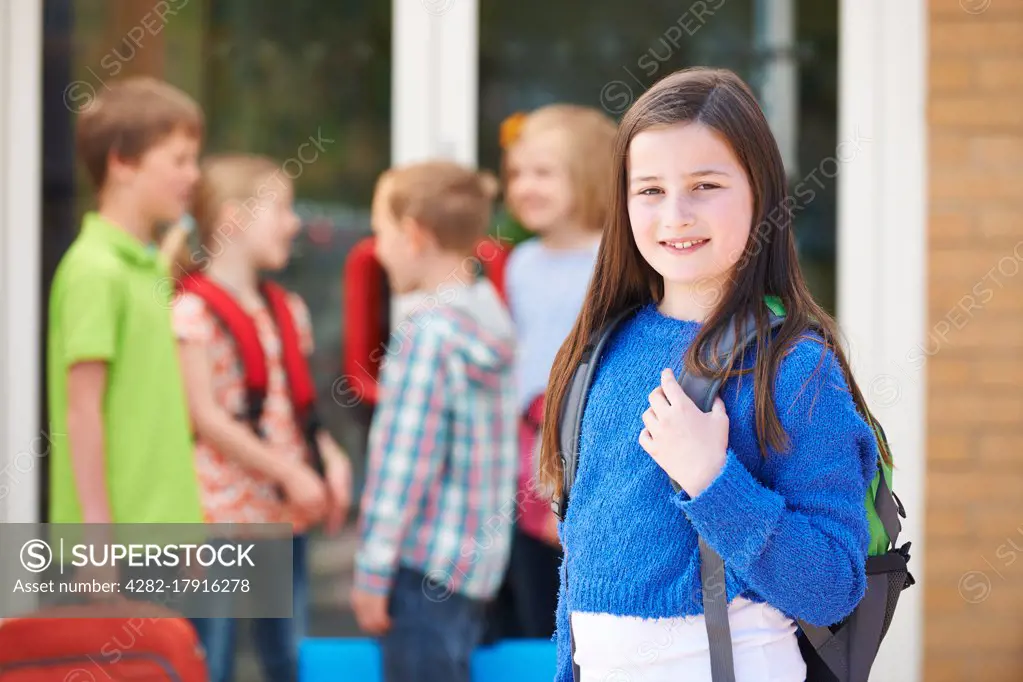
{"points": [[300, 592], [275, 643], [217, 636], [277, 639], [429, 640]]}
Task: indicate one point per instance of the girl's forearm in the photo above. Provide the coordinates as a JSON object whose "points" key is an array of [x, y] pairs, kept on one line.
{"points": [[803, 555], [329, 449], [216, 426], [236, 441]]}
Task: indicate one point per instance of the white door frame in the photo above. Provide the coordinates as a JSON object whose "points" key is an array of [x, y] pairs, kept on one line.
{"points": [[21, 78], [882, 252], [434, 87]]}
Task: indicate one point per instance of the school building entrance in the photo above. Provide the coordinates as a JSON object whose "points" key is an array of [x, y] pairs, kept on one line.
{"points": [[337, 92]]}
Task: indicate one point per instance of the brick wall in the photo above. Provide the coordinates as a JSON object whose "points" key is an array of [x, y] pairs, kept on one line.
{"points": [[974, 588]]}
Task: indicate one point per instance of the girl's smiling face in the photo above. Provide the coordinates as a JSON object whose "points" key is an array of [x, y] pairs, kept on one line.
{"points": [[690, 208]]}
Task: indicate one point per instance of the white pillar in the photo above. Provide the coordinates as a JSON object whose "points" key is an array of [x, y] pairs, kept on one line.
{"points": [[21, 36], [882, 278], [434, 88], [775, 22]]}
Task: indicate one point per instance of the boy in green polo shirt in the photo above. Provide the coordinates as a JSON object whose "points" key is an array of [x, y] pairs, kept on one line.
{"points": [[122, 450]]}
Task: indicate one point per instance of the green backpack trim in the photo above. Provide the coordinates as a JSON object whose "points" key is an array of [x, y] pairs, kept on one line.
{"points": [[879, 540], [775, 305]]}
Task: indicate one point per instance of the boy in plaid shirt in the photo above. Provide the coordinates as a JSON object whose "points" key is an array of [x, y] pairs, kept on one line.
{"points": [[439, 503]]}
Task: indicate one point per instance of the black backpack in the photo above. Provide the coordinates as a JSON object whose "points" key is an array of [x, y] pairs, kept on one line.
{"points": [[842, 652]]}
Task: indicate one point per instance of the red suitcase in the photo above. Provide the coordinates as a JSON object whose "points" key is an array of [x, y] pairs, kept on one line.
{"points": [[106, 646]]}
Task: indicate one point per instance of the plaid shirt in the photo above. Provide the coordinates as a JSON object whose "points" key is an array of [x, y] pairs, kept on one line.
{"points": [[440, 491]]}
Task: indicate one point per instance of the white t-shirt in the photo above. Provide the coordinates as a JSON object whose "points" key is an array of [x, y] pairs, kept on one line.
{"points": [[630, 649]]}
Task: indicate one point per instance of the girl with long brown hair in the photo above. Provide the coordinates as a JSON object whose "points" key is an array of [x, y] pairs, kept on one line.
{"points": [[773, 478]]}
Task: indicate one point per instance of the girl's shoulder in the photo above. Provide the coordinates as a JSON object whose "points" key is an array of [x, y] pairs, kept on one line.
{"points": [[817, 409], [809, 374], [192, 319], [806, 352]]}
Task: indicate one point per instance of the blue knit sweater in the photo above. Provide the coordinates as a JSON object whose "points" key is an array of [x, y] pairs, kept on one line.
{"points": [[791, 528]]}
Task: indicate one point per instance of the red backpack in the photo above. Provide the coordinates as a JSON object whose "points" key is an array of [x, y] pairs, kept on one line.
{"points": [[242, 329]]}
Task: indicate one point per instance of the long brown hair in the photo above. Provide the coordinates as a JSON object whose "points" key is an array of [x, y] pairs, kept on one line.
{"points": [[622, 279]]}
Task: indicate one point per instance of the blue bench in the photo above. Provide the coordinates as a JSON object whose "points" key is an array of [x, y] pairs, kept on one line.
{"points": [[340, 660]]}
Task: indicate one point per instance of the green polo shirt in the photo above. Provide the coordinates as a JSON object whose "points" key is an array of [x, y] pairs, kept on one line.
{"points": [[111, 301]]}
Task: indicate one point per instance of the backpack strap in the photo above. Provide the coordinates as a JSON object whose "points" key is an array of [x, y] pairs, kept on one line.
{"points": [[296, 368], [572, 407], [242, 329], [703, 391], [570, 424], [240, 326]]}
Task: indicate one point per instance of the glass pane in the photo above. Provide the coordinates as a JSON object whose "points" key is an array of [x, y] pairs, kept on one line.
{"points": [[817, 34], [534, 52], [271, 77]]}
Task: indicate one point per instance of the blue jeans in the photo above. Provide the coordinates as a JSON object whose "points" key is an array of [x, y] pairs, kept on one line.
{"points": [[276, 640], [430, 640]]}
